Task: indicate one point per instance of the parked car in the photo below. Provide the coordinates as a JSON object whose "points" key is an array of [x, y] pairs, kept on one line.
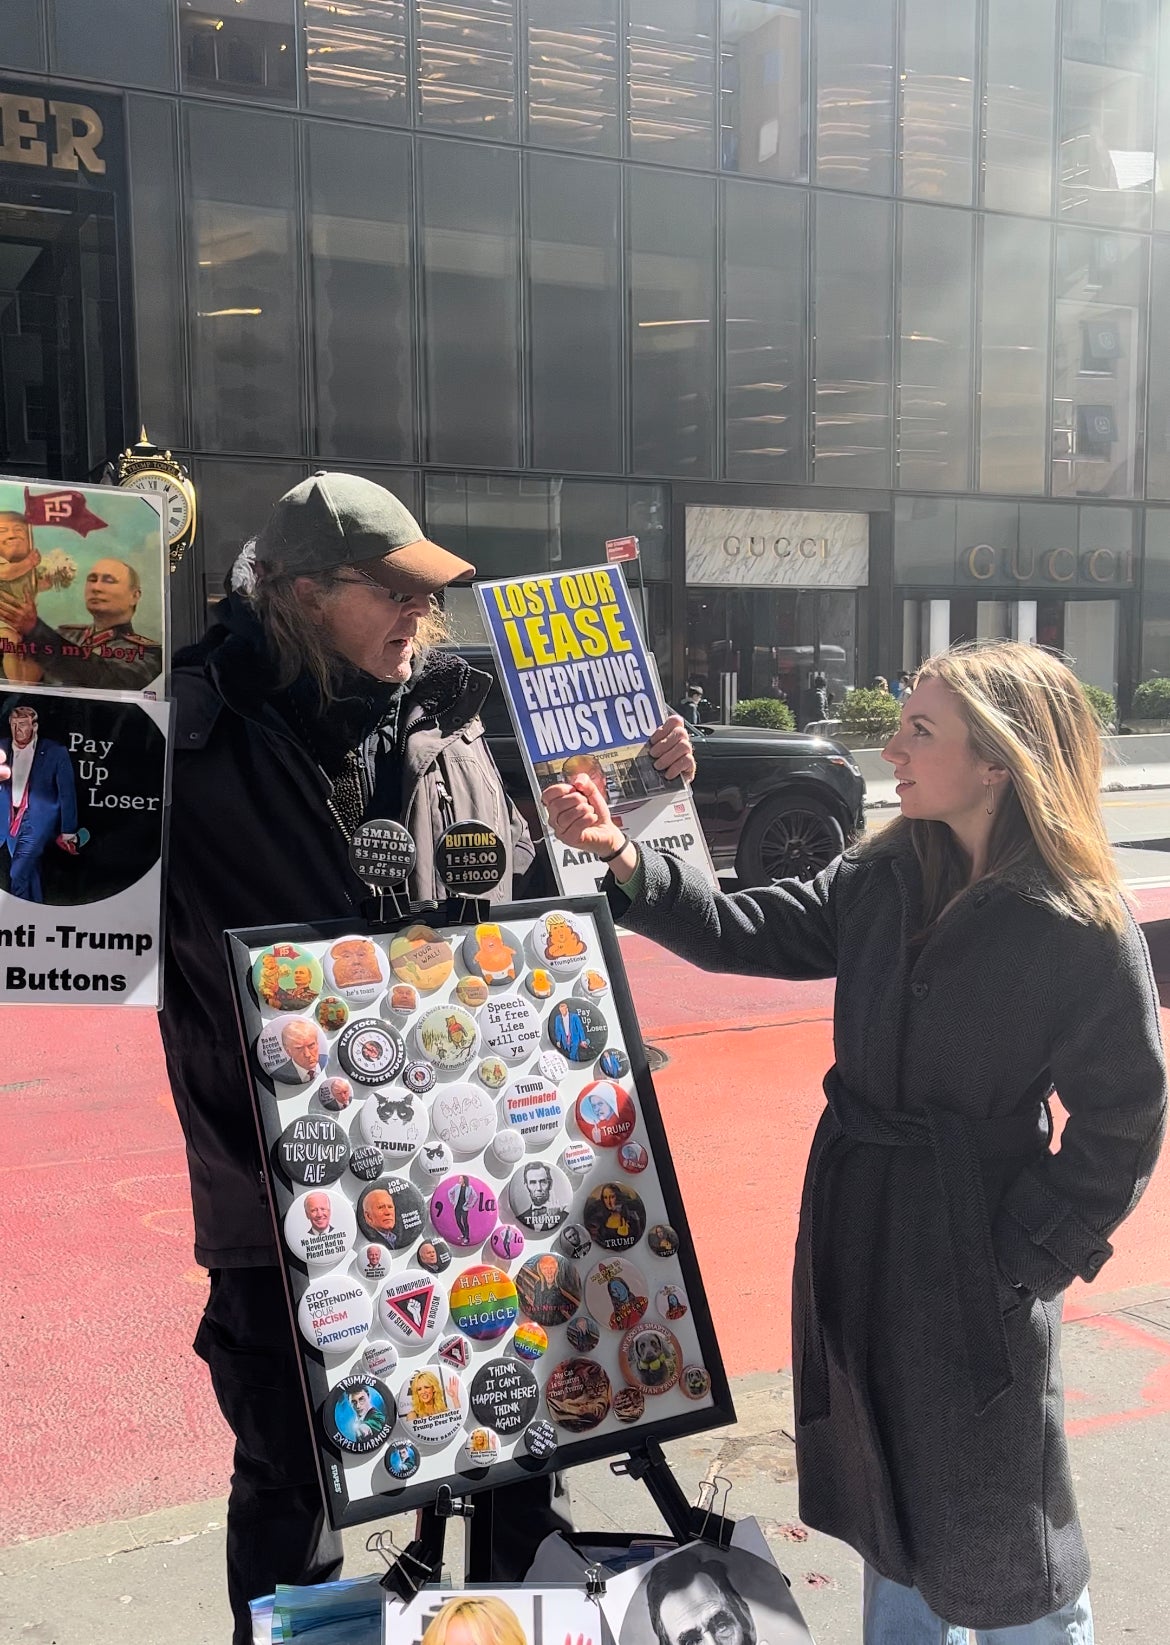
{"points": [[773, 804]]}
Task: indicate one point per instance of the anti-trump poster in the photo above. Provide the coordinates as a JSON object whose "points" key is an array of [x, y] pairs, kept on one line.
{"points": [[82, 588], [81, 835], [584, 696]]}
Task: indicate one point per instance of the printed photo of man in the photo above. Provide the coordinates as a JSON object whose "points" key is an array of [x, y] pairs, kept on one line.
{"points": [[302, 1046], [38, 802], [693, 1601], [106, 652]]}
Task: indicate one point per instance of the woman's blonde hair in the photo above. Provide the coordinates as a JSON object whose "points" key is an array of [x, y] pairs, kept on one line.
{"points": [[1025, 710], [488, 1620], [419, 1381]]}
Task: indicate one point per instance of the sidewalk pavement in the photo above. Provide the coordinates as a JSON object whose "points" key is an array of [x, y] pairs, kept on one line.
{"points": [[1138, 761], [159, 1579]]}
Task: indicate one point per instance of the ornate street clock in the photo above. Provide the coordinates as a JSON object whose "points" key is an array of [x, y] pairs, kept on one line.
{"points": [[143, 467]]}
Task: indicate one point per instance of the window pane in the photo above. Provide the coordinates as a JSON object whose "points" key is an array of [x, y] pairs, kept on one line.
{"points": [[1097, 363], [573, 75], [855, 94], [1162, 157], [470, 215], [23, 45], [925, 533], [1158, 430], [246, 325], [355, 58], [359, 250], [934, 372], [854, 344], [672, 280], [1014, 354], [765, 346], [574, 209], [467, 66], [1020, 91], [129, 42], [1106, 145], [763, 111], [158, 275], [1156, 596], [234, 501], [938, 99], [239, 48], [671, 50]]}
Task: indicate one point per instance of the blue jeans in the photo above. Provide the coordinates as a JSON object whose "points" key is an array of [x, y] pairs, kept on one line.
{"points": [[894, 1615]]}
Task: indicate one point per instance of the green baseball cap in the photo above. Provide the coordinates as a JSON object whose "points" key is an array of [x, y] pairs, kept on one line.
{"points": [[342, 519]]}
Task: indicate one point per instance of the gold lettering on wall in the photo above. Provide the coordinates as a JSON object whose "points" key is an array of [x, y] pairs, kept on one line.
{"points": [[77, 148], [20, 121], [77, 130]]}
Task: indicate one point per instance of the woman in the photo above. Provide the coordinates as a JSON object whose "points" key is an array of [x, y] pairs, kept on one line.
{"points": [[475, 1620], [984, 952]]}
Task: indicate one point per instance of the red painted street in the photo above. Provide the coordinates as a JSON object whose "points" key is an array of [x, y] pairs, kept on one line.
{"points": [[101, 1389]]}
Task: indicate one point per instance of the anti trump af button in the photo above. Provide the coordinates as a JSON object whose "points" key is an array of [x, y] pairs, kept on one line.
{"points": [[312, 1149]]}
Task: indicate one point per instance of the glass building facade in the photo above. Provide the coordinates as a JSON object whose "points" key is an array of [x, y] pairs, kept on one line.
{"points": [[855, 312]]}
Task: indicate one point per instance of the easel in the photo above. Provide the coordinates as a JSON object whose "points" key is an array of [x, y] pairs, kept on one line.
{"points": [[421, 1562]]}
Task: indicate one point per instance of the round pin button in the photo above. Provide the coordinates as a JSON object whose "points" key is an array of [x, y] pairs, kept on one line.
{"points": [[293, 1050], [434, 1255], [651, 1358], [593, 985], [331, 1013], [530, 1341], [435, 1159], [401, 1001], [616, 1293], [583, 1334], [286, 977], [483, 1303], [419, 1077], [312, 1149], [540, 1441], [471, 859], [632, 1157], [464, 1116], [578, 1031], [335, 1314], [493, 1071], [578, 1159], [671, 1301], [533, 1109], [391, 1213], [394, 1123], [504, 1396], [357, 969], [662, 1240], [574, 1241], [540, 984], [696, 1381], [549, 1288], [540, 1195], [358, 1415], [615, 1216], [507, 1150], [559, 943], [510, 1027], [553, 1066], [421, 958], [411, 1308], [372, 1053], [454, 1351], [577, 1394], [471, 992], [366, 1162], [402, 1460], [382, 852], [380, 1359], [432, 1405], [605, 1113], [372, 1264], [481, 1449], [334, 1095], [448, 1036], [495, 953], [320, 1228], [614, 1064], [464, 1210], [507, 1242], [629, 1404]]}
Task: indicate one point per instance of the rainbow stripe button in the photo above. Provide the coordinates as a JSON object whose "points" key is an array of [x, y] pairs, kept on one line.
{"points": [[483, 1303]]}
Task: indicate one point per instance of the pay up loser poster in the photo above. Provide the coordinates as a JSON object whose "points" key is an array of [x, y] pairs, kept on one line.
{"points": [[584, 696]]}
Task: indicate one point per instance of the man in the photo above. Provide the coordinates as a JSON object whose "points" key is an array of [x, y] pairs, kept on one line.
{"points": [[370, 1420], [319, 1212], [303, 1048], [538, 1182], [690, 707], [106, 652], [692, 1601], [38, 805], [379, 1216]]}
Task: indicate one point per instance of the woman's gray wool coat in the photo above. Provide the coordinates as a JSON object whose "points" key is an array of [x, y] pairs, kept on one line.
{"points": [[939, 1226]]}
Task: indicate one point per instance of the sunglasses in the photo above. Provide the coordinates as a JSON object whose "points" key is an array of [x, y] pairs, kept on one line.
{"points": [[362, 581]]}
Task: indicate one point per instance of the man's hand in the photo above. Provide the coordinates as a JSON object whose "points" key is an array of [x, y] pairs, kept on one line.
{"points": [[18, 613], [670, 747], [68, 842], [579, 817], [5, 771]]}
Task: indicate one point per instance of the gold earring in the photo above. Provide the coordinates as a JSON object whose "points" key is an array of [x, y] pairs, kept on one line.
{"points": [[990, 799]]}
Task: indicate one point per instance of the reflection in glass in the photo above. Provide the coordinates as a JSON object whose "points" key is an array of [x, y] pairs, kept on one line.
{"points": [[24, 41], [1156, 596], [855, 94], [127, 42], [469, 207], [854, 344], [1106, 145], [358, 218], [934, 365], [672, 281], [355, 58], [1097, 363], [765, 236], [1020, 69], [671, 66], [938, 99], [246, 305], [240, 48], [763, 109], [153, 140], [234, 502], [769, 642], [467, 66], [1014, 354], [574, 254], [573, 75], [1158, 428]]}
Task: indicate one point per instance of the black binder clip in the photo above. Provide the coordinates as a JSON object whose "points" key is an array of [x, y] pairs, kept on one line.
{"points": [[708, 1489], [595, 1582]]}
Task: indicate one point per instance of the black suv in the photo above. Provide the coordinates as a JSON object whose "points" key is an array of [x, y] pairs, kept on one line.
{"points": [[773, 804]]}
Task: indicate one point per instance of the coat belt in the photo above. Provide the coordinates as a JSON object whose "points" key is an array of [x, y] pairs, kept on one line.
{"points": [[957, 1144]]}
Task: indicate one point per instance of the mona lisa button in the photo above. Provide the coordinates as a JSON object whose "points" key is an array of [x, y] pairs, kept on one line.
{"points": [[312, 1149]]}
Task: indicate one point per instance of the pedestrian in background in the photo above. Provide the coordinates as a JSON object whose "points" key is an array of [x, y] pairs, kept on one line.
{"points": [[880, 683], [984, 953], [901, 686], [689, 707]]}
